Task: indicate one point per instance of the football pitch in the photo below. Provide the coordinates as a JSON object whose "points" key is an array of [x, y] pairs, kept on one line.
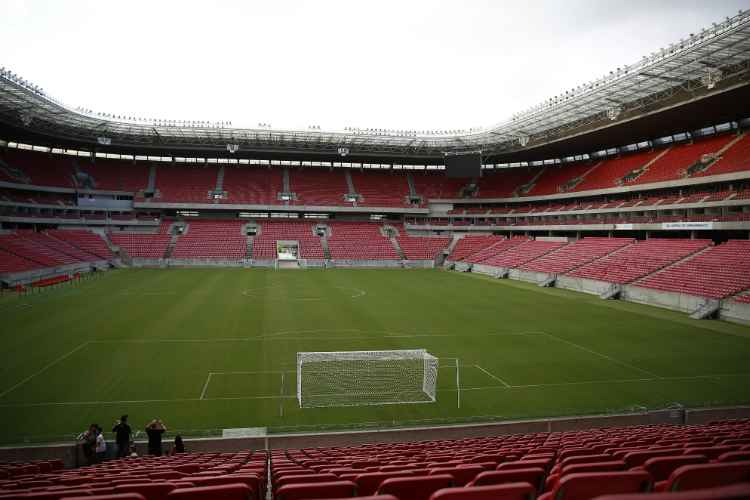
{"points": [[210, 349]]}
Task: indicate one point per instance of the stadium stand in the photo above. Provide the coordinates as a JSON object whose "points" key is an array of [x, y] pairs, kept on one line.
{"points": [[639, 259], [436, 185], [734, 159], [493, 250], [576, 255], [381, 189], [471, 244], [718, 272], [359, 241], [675, 163], [185, 184], [609, 172], [251, 185], [115, 175], [85, 240], [264, 245], [144, 245], [39, 169], [315, 186], [525, 252], [420, 247], [209, 239]]}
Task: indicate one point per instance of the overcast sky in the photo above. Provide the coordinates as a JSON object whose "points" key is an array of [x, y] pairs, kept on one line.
{"points": [[405, 64]]}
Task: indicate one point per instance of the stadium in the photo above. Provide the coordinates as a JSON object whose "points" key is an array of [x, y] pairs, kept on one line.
{"points": [[555, 306]]}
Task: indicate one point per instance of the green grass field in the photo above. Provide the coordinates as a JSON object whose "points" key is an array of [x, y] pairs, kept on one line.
{"points": [[144, 342]]}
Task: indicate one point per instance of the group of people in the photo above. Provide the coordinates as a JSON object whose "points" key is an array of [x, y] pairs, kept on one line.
{"points": [[94, 445]]}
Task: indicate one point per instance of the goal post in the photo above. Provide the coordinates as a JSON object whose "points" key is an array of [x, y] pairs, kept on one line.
{"points": [[359, 378]]}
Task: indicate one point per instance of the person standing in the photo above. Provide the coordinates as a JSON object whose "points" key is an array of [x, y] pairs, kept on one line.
{"points": [[122, 436], [101, 445], [154, 430], [88, 444], [179, 446]]}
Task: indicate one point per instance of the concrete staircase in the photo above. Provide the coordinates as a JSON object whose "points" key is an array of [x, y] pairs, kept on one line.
{"points": [[350, 186], [285, 180], [412, 187], [170, 247], [525, 188], [151, 186], [397, 247], [326, 250], [220, 180], [708, 310], [250, 242]]}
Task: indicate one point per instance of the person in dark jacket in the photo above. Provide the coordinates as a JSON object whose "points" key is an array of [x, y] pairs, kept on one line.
{"points": [[122, 436], [154, 430], [179, 446]]}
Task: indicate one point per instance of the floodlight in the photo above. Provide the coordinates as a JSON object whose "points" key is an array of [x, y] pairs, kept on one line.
{"points": [[104, 141], [343, 151], [233, 148]]}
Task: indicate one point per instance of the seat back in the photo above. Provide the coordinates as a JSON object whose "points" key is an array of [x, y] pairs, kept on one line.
{"points": [[369, 482], [739, 491], [510, 491], [113, 496], [611, 465], [693, 477], [734, 456], [415, 488], [532, 475], [639, 457], [236, 491], [587, 485], [305, 478], [660, 468], [330, 489], [461, 474], [152, 491]]}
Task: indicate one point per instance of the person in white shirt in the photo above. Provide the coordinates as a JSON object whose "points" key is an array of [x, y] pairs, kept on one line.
{"points": [[101, 445]]}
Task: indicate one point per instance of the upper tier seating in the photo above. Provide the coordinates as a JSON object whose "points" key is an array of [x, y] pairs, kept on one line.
{"points": [[735, 159], [579, 253], [207, 239], [381, 189], [144, 245], [719, 272], [317, 186], [639, 259], [673, 164], [264, 245], [179, 184], [359, 241], [114, 175], [471, 244], [431, 185], [37, 197], [40, 169], [503, 183], [252, 185], [609, 172], [554, 179], [520, 254], [85, 240]]}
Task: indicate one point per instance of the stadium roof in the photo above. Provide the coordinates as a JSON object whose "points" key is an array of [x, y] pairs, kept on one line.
{"points": [[693, 83]]}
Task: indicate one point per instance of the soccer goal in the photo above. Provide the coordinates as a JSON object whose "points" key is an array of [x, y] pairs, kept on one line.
{"points": [[357, 378]]}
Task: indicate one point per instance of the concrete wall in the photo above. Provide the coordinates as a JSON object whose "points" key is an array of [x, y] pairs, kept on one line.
{"points": [[670, 300], [594, 287], [734, 311]]}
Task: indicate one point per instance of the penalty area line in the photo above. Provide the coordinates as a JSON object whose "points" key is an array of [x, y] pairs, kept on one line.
{"points": [[43, 369], [205, 386], [506, 384]]}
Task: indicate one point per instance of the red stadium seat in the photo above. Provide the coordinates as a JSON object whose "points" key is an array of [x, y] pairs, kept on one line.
{"points": [[532, 475], [739, 491], [592, 484], [694, 477], [236, 491], [331, 489], [415, 488], [461, 474], [509, 491], [152, 491]]}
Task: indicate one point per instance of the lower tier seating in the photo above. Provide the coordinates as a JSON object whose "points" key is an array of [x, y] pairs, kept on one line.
{"points": [[212, 240], [525, 252], [360, 241], [575, 255], [264, 245], [469, 245], [719, 272], [639, 259]]}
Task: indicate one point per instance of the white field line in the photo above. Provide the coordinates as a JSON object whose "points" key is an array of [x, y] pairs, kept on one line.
{"points": [[506, 384], [205, 386], [609, 358], [483, 388], [43, 369], [274, 336]]}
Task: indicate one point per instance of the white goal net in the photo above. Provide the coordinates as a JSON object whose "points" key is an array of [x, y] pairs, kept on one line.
{"points": [[356, 378]]}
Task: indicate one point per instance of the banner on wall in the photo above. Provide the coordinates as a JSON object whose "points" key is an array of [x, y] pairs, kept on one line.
{"points": [[687, 225]]}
